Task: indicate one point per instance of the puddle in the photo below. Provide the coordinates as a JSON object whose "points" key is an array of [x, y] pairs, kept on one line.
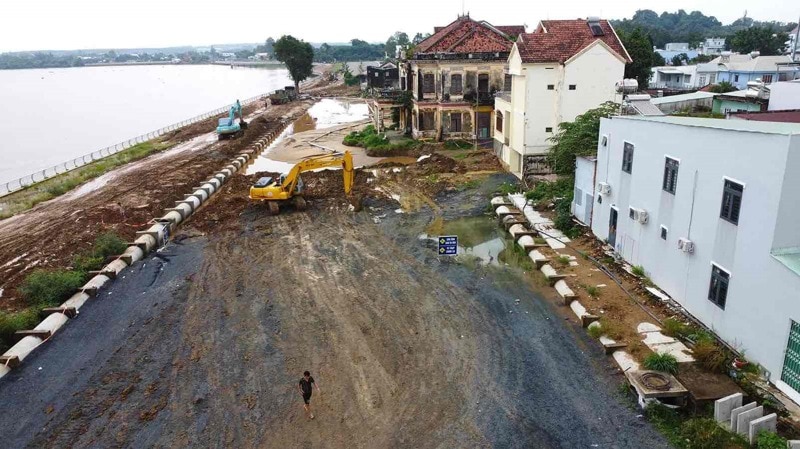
{"points": [[327, 113], [478, 237]]}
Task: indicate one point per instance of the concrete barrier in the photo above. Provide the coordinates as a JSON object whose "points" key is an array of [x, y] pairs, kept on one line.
{"points": [[566, 293], [193, 202], [132, 255], [209, 187], [201, 195], [174, 216], [518, 229], [538, 258], [227, 172], [117, 266], [76, 301], [52, 323], [22, 349], [95, 284], [215, 182]]}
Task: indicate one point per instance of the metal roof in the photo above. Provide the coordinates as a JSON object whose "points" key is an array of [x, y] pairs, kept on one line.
{"points": [[788, 129], [682, 97]]}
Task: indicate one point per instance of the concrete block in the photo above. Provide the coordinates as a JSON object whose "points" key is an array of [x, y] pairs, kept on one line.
{"points": [[227, 172], [132, 254], [737, 411], [744, 419], [4, 370], [551, 274], [538, 258], [526, 242], [215, 182], [146, 241], [201, 195], [502, 211], [565, 292], [517, 230], [76, 301], [23, 348], [588, 319], [174, 216], [724, 406], [52, 323], [794, 444], [209, 187], [95, 284], [767, 423]]}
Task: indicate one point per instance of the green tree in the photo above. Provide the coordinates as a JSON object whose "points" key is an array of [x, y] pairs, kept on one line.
{"points": [[679, 58], [298, 57], [722, 87], [767, 40], [640, 47], [397, 39], [578, 138], [700, 59]]}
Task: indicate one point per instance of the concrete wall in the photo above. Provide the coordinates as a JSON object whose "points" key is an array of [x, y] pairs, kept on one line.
{"points": [[784, 96], [583, 200], [594, 72], [540, 106], [762, 294], [721, 106], [787, 229]]}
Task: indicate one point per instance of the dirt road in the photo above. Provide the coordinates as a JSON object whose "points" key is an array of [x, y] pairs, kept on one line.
{"points": [[202, 345]]}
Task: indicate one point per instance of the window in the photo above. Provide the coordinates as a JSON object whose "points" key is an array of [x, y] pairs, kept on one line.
{"points": [[767, 79], [428, 84], [735, 78], [718, 290], [426, 121], [551, 87], [507, 83], [627, 158], [664, 231], [731, 201], [548, 130], [455, 123], [456, 85], [499, 120], [670, 175], [573, 86]]}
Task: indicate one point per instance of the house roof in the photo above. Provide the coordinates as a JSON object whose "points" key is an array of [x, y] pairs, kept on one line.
{"points": [[715, 123], [788, 116], [683, 97], [466, 35], [746, 63], [559, 40]]}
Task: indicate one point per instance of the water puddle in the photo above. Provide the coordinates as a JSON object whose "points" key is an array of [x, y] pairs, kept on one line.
{"points": [[327, 113], [478, 237]]}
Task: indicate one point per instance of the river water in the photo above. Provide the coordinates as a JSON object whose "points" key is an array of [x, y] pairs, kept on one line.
{"points": [[53, 115]]}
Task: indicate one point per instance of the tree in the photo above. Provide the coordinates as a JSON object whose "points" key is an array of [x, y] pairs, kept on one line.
{"points": [[298, 57], [640, 47], [578, 138], [700, 59], [679, 58], [722, 87], [766, 40], [397, 39]]}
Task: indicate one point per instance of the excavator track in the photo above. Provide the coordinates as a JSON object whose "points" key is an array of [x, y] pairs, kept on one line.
{"points": [[300, 203], [274, 208]]}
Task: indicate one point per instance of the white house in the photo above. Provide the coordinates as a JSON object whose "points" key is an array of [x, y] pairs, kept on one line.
{"points": [[712, 217], [713, 46], [681, 77], [561, 70], [784, 96], [677, 46]]}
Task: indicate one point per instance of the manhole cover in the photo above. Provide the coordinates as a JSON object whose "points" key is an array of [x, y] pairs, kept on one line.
{"points": [[655, 381]]}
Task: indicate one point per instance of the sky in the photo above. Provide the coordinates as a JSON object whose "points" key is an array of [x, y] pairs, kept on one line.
{"points": [[87, 24]]}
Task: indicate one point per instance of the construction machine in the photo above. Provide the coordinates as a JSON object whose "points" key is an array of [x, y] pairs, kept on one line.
{"points": [[230, 126], [289, 187]]}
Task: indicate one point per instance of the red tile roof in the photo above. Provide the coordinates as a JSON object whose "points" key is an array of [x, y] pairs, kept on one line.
{"points": [[559, 40], [469, 36], [788, 116]]}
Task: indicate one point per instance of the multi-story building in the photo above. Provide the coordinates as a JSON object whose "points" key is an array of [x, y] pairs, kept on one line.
{"points": [[741, 69], [561, 70], [712, 216], [713, 46], [453, 76]]}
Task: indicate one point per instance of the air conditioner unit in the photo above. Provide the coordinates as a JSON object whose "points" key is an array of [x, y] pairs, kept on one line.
{"points": [[686, 245], [604, 188], [639, 215]]}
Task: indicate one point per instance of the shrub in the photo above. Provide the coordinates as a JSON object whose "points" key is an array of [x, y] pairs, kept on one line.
{"points": [[638, 270], [507, 188], [105, 245], [661, 362], [710, 356], [595, 331], [593, 291], [769, 440], [675, 328], [563, 261], [549, 191], [87, 262], [16, 321], [50, 287], [705, 433], [458, 145], [611, 329]]}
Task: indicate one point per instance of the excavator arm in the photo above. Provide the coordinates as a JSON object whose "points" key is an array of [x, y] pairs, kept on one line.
{"points": [[345, 161]]}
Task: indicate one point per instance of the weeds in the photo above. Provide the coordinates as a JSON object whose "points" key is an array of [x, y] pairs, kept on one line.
{"points": [[50, 287], [563, 261], [692, 432], [675, 328], [468, 185], [661, 362], [16, 321], [710, 356], [592, 291], [458, 145], [611, 329], [769, 440], [105, 245], [638, 271], [375, 142], [507, 188], [595, 331]]}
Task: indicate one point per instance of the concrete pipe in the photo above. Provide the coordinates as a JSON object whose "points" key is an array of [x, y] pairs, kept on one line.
{"points": [[4, 370], [526, 241], [157, 231], [242, 158], [133, 254], [97, 282], [184, 209], [232, 168], [192, 201], [221, 177], [502, 210], [498, 201], [174, 216], [146, 241], [227, 172], [236, 163], [52, 323], [517, 229], [77, 300], [214, 182], [201, 195], [24, 347], [118, 265], [209, 187]]}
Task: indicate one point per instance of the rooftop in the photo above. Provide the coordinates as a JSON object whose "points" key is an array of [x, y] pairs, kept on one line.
{"points": [[559, 40], [788, 129], [682, 97], [790, 257], [746, 63], [788, 116], [466, 35]]}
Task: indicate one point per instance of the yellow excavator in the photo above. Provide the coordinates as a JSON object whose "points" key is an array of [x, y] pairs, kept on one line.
{"points": [[289, 186]]}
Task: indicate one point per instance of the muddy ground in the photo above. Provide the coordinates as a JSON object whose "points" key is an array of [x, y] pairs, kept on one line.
{"points": [[202, 344]]}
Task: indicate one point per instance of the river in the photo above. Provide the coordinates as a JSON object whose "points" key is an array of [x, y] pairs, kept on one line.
{"points": [[53, 115]]}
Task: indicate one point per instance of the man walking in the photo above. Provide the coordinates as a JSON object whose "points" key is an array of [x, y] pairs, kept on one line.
{"points": [[305, 387]]}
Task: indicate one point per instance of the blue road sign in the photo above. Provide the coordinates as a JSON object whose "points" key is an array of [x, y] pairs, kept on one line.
{"points": [[448, 245]]}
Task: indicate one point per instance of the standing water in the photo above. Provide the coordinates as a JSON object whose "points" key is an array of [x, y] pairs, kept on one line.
{"points": [[53, 115]]}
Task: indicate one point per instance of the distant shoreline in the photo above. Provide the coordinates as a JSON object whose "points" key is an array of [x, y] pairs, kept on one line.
{"points": [[254, 64]]}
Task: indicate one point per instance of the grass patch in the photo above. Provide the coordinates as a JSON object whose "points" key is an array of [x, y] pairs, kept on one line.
{"points": [[515, 256], [458, 145], [692, 432], [46, 190], [638, 270], [508, 188], [595, 331], [377, 143], [592, 291], [661, 362], [471, 184], [16, 321], [675, 328], [563, 261], [769, 440], [710, 356], [610, 329], [105, 245], [50, 287]]}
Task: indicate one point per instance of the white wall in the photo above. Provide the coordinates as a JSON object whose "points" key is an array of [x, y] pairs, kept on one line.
{"points": [[784, 95], [594, 72], [762, 296], [584, 190], [540, 105]]}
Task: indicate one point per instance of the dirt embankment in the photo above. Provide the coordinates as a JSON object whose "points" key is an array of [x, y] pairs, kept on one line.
{"points": [[50, 234]]}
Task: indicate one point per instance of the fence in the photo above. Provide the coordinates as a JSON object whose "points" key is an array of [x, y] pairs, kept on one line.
{"points": [[39, 176]]}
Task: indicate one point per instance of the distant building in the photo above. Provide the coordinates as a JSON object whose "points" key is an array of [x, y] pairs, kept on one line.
{"points": [[669, 54], [709, 208], [677, 46], [682, 77], [741, 100], [741, 69], [784, 95], [263, 56], [713, 46], [693, 102], [561, 70]]}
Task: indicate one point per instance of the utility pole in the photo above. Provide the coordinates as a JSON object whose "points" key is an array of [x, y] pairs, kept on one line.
{"points": [[796, 38]]}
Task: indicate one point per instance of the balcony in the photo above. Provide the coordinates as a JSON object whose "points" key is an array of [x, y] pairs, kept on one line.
{"points": [[387, 94]]}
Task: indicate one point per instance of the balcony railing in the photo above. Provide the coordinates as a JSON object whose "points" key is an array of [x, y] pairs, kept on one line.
{"points": [[388, 94]]}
